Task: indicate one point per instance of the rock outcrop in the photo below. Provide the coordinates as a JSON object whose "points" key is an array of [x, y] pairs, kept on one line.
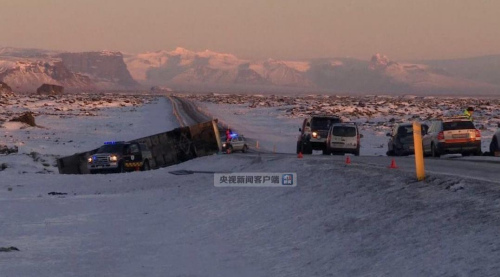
{"points": [[27, 118], [50, 89], [106, 69], [5, 89]]}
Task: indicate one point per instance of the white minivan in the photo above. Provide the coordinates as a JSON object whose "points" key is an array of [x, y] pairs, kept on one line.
{"points": [[343, 138]]}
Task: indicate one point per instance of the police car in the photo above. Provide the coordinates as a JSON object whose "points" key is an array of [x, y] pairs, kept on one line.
{"points": [[120, 156], [234, 143]]}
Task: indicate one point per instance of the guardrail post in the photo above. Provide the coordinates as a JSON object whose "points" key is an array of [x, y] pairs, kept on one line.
{"points": [[419, 152]]}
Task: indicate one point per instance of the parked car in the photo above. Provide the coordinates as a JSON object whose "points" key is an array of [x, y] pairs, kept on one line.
{"points": [[235, 143], [343, 138], [452, 135], [314, 132], [401, 139], [495, 142]]}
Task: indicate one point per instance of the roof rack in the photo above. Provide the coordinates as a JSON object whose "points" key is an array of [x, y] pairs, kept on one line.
{"points": [[458, 117]]}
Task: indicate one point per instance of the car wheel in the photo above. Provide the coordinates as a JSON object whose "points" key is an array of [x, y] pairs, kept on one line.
{"points": [[308, 149], [478, 152], [390, 153], [230, 149], [434, 151], [356, 153], [423, 151], [299, 146], [245, 148], [121, 168], [493, 146], [145, 166], [326, 152], [397, 152]]}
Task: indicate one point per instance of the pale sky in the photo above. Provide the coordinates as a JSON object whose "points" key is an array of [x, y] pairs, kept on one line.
{"points": [[259, 29]]}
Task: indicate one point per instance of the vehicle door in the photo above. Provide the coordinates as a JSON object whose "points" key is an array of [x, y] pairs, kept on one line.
{"points": [[135, 153], [236, 143], [391, 136], [431, 133]]}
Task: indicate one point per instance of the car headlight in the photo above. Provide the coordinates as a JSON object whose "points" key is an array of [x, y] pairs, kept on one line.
{"points": [[89, 160], [223, 145], [315, 134], [113, 158]]}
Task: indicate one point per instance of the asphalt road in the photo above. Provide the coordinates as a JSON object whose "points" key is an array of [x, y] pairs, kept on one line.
{"points": [[472, 168]]}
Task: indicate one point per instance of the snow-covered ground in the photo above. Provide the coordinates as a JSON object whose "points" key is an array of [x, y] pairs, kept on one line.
{"points": [[73, 124], [340, 220], [274, 120]]}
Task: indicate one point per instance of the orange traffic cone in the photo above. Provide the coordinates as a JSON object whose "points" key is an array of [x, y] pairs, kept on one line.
{"points": [[300, 156], [393, 164], [347, 159]]}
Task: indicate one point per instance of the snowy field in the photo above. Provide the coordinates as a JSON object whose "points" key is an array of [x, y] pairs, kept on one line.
{"points": [[73, 124], [275, 120], [340, 220]]}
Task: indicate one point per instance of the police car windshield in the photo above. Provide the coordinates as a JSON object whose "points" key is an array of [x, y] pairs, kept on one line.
{"points": [[110, 148], [344, 131], [323, 123]]}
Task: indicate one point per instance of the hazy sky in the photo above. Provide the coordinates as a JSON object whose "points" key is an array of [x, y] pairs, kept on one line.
{"points": [[292, 29]]}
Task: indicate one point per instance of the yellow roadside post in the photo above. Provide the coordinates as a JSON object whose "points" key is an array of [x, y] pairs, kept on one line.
{"points": [[419, 152]]}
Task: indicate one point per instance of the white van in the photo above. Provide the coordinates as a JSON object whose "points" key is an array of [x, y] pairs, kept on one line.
{"points": [[343, 138]]}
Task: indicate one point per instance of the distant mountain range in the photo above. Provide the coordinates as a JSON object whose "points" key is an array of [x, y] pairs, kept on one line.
{"points": [[181, 69]]}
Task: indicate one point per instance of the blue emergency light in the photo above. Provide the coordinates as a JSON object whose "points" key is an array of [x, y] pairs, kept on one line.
{"points": [[112, 142], [234, 135]]}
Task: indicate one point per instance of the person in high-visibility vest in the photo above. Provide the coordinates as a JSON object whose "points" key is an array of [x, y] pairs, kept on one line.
{"points": [[468, 113]]}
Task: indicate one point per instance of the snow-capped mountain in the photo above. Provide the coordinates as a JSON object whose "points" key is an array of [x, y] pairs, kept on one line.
{"points": [[182, 69], [185, 69], [29, 75]]}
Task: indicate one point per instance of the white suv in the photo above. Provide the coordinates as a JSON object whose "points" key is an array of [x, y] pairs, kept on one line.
{"points": [[452, 135], [343, 138]]}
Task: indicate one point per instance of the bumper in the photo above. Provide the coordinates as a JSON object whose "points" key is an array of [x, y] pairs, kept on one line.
{"points": [[103, 167], [318, 144], [343, 150], [458, 148], [406, 149]]}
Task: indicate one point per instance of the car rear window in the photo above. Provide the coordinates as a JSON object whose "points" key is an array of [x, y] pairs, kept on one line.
{"points": [[405, 131], [458, 125], [344, 131], [323, 123]]}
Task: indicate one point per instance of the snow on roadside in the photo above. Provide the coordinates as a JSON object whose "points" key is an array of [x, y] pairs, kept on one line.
{"points": [[363, 221]]}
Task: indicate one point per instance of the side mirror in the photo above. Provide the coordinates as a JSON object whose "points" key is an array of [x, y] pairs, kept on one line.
{"points": [[498, 125], [388, 134], [300, 129]]}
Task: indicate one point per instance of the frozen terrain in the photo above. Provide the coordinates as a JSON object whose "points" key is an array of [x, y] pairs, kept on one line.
{"points": [[361, 219], [274, 120]]}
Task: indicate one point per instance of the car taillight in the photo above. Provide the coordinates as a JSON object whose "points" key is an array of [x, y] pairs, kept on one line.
{"points": [[478, 133], [440, 136]]}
